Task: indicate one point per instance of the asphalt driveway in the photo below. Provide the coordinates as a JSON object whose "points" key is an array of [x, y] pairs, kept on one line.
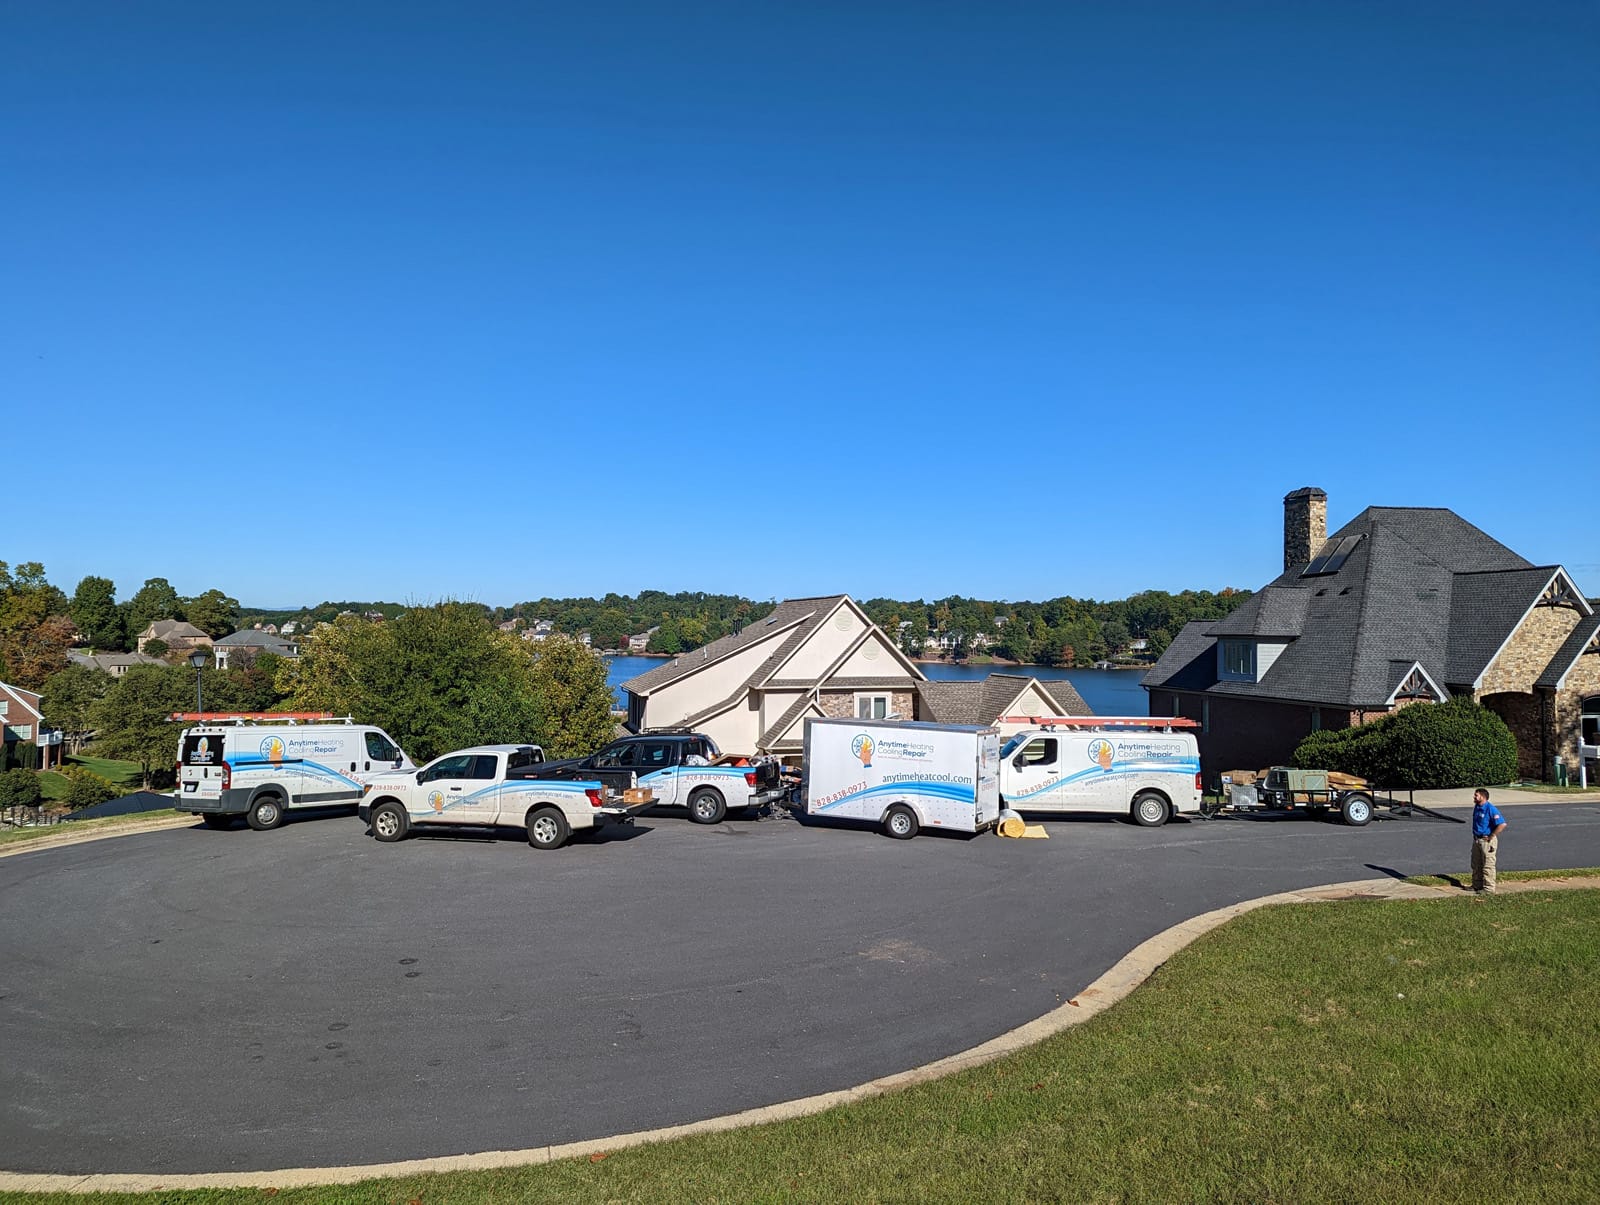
{"points": [[192, 1001]]}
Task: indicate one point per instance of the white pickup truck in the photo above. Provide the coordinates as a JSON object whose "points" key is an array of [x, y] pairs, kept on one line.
{"points": [[484, 786]]}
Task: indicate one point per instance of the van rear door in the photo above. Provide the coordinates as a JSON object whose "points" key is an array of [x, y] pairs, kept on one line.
{"points": [[200, 757]]}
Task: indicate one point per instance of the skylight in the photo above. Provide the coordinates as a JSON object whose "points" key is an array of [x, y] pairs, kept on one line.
{"points": [[1332, 557]]}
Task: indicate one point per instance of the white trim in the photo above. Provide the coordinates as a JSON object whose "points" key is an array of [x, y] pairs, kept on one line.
{"points": [[888, 704], [709, 662], [1477, 683], [1416, 667], [16, 693], [906, 663]]}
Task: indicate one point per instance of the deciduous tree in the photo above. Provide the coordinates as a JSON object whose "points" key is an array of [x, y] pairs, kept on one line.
{"points": [[70, 696], [156, 599], [132, 720], [574, 702], [95, 614], [213, 612]]}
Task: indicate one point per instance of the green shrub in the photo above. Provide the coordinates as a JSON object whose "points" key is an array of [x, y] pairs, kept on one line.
{"points": [[19, 788], [86, 788], [1424, 746]]}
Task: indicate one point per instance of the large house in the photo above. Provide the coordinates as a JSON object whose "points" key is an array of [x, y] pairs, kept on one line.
{"points": [[1401, 605], [21, 720], [753, 691], [250, 644], [115, 664], [178, 636]]}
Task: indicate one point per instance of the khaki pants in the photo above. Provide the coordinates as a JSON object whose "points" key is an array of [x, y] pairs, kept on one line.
{"points": [[1483, 853]]}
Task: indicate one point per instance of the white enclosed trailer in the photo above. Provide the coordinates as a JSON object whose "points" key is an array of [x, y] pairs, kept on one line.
{"points": [[903, 775]]}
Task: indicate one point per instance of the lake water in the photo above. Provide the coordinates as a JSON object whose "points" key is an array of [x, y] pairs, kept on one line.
{"points": [[1106, 691]]}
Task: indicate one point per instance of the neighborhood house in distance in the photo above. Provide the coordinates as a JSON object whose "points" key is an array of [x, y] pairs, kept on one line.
{"points": [[1400, 605], [752, 691]]}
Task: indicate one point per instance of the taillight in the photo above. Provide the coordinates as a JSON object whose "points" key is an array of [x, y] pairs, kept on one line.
{"points": [[594, 796], [1198, 784], [750, 778], [227, 776], [177, 769]]}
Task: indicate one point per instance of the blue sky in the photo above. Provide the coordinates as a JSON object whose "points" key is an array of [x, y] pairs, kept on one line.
{"points": [[405, 301]]}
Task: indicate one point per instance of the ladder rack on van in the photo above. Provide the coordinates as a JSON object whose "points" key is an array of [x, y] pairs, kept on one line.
{"points": [[1145, 722], [260, 717]]}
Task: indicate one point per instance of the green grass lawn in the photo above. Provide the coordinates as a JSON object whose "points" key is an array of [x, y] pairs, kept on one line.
{"points": [[9, 836], [53, 786], [1464, 878], [1429, 1051], [123, 774]]}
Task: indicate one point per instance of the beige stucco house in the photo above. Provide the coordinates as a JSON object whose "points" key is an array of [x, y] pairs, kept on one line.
{"points": [[752, 692]]}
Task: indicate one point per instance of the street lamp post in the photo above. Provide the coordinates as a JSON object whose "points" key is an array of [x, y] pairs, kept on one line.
{"points": [[198, 660]]}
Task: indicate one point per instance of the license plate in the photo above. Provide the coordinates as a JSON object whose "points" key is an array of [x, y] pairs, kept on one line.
{"points": [[191, 786]]}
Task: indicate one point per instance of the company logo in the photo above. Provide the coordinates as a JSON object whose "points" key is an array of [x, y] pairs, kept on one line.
{"points": [[862, 747], [1100, 753], [436, 801], [272, 748]]}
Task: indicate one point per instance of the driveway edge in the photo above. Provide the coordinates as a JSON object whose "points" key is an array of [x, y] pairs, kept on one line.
{"points": [[102, 833], [1128, 973]]}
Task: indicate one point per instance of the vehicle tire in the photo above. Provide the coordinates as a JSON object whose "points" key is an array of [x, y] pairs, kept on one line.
{"points": [[266, 812], [900, 822], [1150, 809], [210, 820], [707, 807], [389, 821], [548, 828], [1355, 810]]}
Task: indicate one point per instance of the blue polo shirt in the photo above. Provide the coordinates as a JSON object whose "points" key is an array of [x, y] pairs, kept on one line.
{"points": [[1485, 818]]}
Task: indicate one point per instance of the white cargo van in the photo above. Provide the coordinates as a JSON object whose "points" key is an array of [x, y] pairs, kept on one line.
{"points": [[903, 775], [261, 765], [1144, 767]]}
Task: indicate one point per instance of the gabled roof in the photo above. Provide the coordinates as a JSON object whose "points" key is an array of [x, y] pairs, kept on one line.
{"points": [[800, 616], [108, 661], [784, 722], [162, 629], [1585, 635], [28, 698], [985, 701], [1421, 587]]}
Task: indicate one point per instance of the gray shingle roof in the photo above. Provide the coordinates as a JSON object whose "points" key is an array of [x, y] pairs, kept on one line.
{"points": [[252, 639], [1484, 610], [1424, 586], [770, 737], [1275, 611], [801, 614], [1567, 656], [985, 701]]}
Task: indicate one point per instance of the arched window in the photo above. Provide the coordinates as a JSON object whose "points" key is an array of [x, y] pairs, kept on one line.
{"points": [[1591, 720]]}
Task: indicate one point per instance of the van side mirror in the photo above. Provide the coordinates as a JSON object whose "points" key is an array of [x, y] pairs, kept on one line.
{"points": [[1017, 763]]}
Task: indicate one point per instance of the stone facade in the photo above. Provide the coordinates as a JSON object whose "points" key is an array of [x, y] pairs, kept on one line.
{"points": [[1583, 682], [1529, 650], [1305, 525], [841, 704]]}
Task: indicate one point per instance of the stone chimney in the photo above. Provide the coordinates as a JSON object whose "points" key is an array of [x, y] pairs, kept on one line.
{"points": [[1305, 525]]}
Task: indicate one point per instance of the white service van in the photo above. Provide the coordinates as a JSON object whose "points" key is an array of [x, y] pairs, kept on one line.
{"points": [[1146, 768], [903, 775], [261, 766]]}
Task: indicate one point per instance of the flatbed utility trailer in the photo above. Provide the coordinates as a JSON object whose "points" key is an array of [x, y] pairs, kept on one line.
{"points": [[1319, 792]]}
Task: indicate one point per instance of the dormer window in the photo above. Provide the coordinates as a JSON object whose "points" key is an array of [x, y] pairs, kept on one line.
{"points": [[1236, 660]]}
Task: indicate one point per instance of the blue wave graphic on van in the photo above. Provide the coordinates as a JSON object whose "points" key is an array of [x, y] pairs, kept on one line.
{"points": [[1188, 766], [954, 792], [540, 789]]}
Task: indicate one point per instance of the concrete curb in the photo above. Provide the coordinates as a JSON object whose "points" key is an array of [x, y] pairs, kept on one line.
{"points": [[101, 833], [1132, 970]]}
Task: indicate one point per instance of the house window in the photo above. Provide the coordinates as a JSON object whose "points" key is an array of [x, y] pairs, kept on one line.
{"points": [[1591, 720], [1236, 660], [1316, 719], [872, 707]]}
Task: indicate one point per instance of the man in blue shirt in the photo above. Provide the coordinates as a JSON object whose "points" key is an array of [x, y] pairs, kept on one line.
{"points": [[1487, 825]]}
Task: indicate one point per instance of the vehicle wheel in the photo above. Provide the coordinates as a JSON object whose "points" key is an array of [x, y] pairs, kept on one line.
{"points": [[547, 828], [211, 821], [266, 812], [1355, 810], [389, 822], [1150, 809], [900, 822], [707, 807]]}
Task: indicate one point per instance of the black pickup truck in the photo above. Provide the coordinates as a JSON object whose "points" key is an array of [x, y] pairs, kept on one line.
{"points": [[682, 769]]}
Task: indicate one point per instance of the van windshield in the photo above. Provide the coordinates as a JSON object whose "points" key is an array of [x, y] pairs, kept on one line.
{"points": [[1010, 746]]}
